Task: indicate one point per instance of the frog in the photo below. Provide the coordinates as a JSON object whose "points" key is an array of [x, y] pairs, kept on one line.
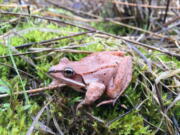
{"points": [[106, 72]]}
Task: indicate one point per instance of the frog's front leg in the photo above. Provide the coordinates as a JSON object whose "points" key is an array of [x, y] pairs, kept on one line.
{"points": [[94, 91]]}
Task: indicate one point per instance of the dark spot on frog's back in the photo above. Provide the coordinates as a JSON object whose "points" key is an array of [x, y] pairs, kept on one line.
{"points": [[104, 73]]}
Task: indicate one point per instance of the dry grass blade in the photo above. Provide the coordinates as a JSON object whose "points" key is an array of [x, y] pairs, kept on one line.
{"points": [[42, 127], [167, 74], [173, 103], [49, 50], [13, 6], [100, 32], [51, 40], [113, 21], [117, 118], [95, 118], [143, 5], [21, 71], [141, 55], [142, 45], [57, 126], [34, 90], [35, 121], [151, 100]]}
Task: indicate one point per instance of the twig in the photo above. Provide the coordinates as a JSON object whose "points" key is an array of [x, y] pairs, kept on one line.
{"points": [[33, 90], [143, 5], [50, 40], [101, 32], [50, 49], [13, 6], [23, 72], [57, 126], [10, 21], [167, 8], [142, 30], [95, 118], [72, 10], [112, 21], [140, 54], [47, 18], [117, 118], [142, 44], [30, 130]]}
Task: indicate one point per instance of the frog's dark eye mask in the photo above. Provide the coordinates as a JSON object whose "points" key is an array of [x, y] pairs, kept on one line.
{"points": [[67, 71]]}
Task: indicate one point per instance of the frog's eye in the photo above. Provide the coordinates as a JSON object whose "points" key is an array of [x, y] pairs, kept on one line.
{"points": [[68, 72]]}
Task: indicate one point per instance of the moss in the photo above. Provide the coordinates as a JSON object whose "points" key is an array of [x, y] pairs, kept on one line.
{"points": [[130, 124], [16, 116]]}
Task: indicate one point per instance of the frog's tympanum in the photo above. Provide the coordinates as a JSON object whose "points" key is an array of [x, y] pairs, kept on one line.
{"points": [[107, 72]]}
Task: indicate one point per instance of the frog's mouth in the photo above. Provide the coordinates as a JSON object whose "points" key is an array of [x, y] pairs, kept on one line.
{"points": [[67, 81]]}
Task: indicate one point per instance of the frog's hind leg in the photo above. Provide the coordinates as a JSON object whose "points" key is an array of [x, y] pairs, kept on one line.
{"points": [[119, 83], [94, 92]]}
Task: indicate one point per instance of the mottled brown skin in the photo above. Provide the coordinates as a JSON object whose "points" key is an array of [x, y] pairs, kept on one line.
{"points": [[107, 72]]}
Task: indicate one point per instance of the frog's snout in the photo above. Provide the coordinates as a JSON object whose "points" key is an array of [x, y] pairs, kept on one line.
{"points": [[51, 70], [54, 70]]}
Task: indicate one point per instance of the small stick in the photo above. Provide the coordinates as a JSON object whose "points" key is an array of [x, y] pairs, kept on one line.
{"points": [[34, 90], [50, 40], [49, 50], [144, 5], [13, 6], [96, 31]]}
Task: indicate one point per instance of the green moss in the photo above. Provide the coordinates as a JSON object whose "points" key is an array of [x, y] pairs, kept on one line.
{"points": [[16, 117], [130, 124]]}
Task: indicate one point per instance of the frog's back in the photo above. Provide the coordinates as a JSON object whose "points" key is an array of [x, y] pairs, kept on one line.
{"points": [[97, 61]]}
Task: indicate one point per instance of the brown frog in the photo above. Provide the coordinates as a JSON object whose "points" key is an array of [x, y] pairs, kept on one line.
{"points": [[107, 72]]}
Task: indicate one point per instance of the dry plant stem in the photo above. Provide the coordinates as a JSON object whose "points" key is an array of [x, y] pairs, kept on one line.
{"points": [[23, 72], [47, 18], [167, 23], [13, 6], [72, 10], [167, 8], [77, 18], [142, 30], [95, 118], [10, 21], [167, 119], [117, 118], [100, 32], [35, 121], [113, 21], [143, 5], [49, 50], [140, 54], [34, 90], [57, 126], [27, 59], [51, 40], [143, 45]]}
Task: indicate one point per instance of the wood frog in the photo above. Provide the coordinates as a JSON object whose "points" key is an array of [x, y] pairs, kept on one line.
{"points": [[107, 72]]}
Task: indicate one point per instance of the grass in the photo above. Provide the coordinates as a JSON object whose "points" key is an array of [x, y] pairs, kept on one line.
{"points": [[16, 115]]}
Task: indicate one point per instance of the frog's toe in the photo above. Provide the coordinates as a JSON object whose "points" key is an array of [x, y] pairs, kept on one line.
{"points": [[111, 101]]}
